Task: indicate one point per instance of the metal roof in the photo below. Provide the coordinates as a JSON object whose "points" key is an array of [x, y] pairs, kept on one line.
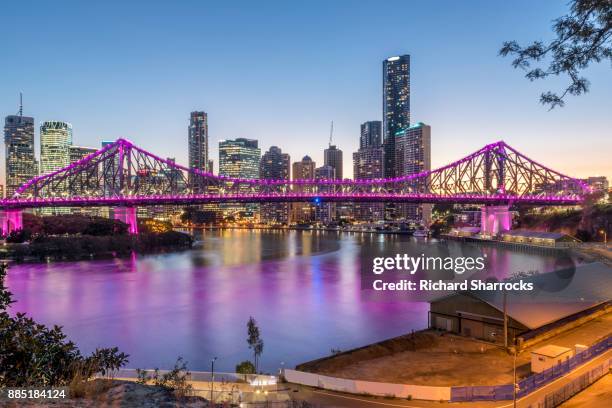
{"points": [[551, 350], [555, 295]]}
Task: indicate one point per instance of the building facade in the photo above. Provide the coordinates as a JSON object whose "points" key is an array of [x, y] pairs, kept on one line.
{"points": [[198, 147], [325, 211], [275, 165], [332, 156], [303, 170], [412, 156], [21, 164], [368, 164], [240, 158], [55, 142], [598, 183], [371, 134], [87, 179], [396, 105]]}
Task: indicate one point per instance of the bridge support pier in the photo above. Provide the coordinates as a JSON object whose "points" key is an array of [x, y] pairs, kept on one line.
{"points": [[495, 219], [128, 216], [10, 220]]}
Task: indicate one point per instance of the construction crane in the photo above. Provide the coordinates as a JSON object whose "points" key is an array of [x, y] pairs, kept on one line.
{"points": [[331, 133]]}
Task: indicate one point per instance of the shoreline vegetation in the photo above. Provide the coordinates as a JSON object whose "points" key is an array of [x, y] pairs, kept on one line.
{"points": [[78, 237]]}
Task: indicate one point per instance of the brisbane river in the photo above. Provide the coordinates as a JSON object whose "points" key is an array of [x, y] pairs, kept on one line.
{"points": [[302, 287]]}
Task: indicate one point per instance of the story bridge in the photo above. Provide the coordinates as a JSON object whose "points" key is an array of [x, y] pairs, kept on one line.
{"points": [[124, 176]]}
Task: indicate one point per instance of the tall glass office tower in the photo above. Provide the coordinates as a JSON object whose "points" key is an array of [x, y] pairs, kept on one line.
{"points": [[55, 142], [20, 163], [240, 158], [396, 105]]}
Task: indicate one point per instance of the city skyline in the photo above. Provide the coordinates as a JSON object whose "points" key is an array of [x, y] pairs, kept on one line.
{"points": [[100, 109]]}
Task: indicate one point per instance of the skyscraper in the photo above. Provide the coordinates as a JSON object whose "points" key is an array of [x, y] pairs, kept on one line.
{"points": [[275, 165], [78, 152], [88, 178], [413, 155], [198, 146], [332, 156], [396, 105], [303, 170], [368, 165], [20, 163], [239, 158], [55, 142], [371, 134], [324, 211]]}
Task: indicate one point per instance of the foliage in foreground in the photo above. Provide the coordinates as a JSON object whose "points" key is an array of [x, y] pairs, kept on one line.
{"points": [[32, 354], [175, 379], [254, 340], [583, 36]]}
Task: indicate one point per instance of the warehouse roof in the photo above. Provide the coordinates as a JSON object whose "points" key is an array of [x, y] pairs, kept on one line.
{"points": [[556, 295]]}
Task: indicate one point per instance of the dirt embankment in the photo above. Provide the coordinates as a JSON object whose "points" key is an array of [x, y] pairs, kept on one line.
{"points": [[408, 342], [124, 394]]}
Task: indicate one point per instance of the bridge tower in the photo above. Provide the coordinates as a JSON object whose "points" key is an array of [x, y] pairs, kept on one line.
{"points": [[10, 220], [128, 216], [495, 219]]}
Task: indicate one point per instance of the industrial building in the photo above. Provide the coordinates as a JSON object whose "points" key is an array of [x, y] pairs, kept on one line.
{"points": [[558, 298]]}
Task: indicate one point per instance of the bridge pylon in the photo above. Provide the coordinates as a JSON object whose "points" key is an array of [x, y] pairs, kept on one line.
{"points": [[11, 220], [495, 219], [128, 216]]}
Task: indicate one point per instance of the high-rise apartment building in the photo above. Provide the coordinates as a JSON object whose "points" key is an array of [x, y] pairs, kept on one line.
{"points": [[396, 105], [21, 164], [332, 156], [371, 134], [239, 158], [198, 147], [303, 170], [55, 142], [274, 165], [413, 155], [368, 165]]}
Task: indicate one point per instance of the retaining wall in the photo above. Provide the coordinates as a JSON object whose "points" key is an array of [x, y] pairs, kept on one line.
{"points": [[422, 392]]}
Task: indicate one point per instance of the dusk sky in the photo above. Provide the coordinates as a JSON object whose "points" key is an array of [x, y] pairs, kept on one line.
{"points": [[279, 72]]}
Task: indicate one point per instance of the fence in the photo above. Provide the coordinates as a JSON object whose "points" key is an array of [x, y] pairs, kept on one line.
{"points": [[206, 376], [569, 390], [368, 387], [531, 383]]}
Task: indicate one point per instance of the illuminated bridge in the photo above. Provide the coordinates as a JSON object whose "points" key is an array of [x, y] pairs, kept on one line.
{"points": [[125, 176]]}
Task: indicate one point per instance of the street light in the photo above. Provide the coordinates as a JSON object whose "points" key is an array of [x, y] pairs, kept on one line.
{"points": [[605, 235], [212, 382], [515, 386]]}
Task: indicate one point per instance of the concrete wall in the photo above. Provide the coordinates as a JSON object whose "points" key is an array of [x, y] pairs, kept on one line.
{"points": [[422, 392]]}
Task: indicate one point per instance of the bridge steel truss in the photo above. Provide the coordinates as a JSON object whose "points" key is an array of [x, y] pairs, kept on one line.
{"points": [[123, 174]]}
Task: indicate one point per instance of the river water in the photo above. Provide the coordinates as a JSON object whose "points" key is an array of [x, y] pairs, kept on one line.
{"points": [[302, 287]]}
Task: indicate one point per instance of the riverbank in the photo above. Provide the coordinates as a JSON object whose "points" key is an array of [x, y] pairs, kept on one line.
{"points": [[595, 252], [113, 393], [442, 359], [82, 246]]}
